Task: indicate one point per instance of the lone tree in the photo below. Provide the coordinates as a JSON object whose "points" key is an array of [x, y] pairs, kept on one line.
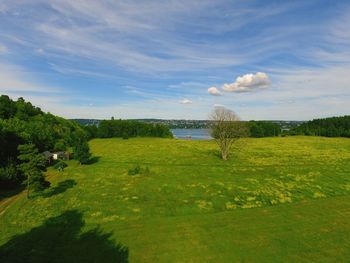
{"points": [[81, 150], [226, 129], [33, 165]]}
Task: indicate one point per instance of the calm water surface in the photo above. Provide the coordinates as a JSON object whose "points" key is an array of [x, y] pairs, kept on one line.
{"points": [[192, 134]]}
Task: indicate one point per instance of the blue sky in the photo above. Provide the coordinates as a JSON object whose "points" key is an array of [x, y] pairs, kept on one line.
{"points": [[177, 59]]}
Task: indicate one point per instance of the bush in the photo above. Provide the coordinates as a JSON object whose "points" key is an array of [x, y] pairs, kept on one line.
{"points": [[125, 136], [60, 165], [60, 146], [9, 175], [137, 169]]}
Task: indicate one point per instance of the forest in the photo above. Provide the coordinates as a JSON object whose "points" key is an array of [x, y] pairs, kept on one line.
{"points": [[26, 128], [328, 127]]}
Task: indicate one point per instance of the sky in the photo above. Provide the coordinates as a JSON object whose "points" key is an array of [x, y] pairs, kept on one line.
{"points": [[178, 59]]}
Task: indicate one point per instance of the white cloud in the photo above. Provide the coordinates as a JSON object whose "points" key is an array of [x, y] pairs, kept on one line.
{"points": [[186, 101], [14, 78], [219, 105], [214, 91], [248, 82]]}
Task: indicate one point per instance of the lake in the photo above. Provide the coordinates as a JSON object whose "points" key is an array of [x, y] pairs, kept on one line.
{"points": [[192, 134]]}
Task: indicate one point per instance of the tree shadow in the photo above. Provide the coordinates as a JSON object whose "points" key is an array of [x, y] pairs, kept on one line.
{"points": [[93, 160], [215, 153], [60, 239], [60, 188], [7, 193]]}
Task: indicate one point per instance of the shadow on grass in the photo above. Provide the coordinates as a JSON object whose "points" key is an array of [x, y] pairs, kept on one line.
{"points": [[93, 160], [60, 239], [4, 193], [60, 188], [215, 153]]}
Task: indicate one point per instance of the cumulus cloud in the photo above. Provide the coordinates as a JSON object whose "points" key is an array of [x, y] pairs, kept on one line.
{"points": [[186, 101], [214, 91], [248, 82]]}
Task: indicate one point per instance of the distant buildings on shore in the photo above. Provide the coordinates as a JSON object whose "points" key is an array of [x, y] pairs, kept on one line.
{"points": [[189, 124]]}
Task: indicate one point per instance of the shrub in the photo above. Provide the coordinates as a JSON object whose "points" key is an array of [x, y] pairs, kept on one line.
{"points": [[9, 175], [134, 170], [137, 169], [125, 136], [60, 165]]}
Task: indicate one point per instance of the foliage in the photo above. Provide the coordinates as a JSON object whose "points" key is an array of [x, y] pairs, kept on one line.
{"points": [[137, 169], [81, 150], [60, 165], [32, 165], [60, 145], [264, 129], [328, 127], [9, 175], [129, 129], [23, 123], [91, 130], [226, 129], [125, 136]]}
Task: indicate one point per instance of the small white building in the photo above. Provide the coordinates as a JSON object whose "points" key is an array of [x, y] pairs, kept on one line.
{"points": [[60, 156]]}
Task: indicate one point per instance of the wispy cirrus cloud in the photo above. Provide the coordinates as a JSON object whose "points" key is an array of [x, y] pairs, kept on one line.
{"points": [[15, 79], [140, 36], [177, 49]]}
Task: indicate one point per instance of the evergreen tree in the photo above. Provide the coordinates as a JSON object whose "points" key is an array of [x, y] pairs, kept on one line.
{"points": [[32, 166], [81, 151]]}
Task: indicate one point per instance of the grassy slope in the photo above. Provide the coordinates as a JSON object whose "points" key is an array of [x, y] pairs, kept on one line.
{"points": [[285, 199]]}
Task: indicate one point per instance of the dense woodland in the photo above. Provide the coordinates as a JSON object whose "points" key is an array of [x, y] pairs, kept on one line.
{"points": [[21, 124], [328, 127]]}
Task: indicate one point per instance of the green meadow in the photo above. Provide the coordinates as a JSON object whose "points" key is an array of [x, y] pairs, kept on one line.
{"points": [[283, 199]]}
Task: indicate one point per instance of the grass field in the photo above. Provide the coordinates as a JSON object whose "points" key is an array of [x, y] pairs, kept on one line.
{"points": [[275, 200]]}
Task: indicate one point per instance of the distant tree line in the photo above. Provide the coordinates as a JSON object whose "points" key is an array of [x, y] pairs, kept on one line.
{"points": [[264, 129], [328, 127], [127, 129], [25, 132]]}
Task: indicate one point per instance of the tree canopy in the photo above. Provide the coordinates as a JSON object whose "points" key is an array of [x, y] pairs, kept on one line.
{"points": [[22, 123], [226, 129], [328, 127]]}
